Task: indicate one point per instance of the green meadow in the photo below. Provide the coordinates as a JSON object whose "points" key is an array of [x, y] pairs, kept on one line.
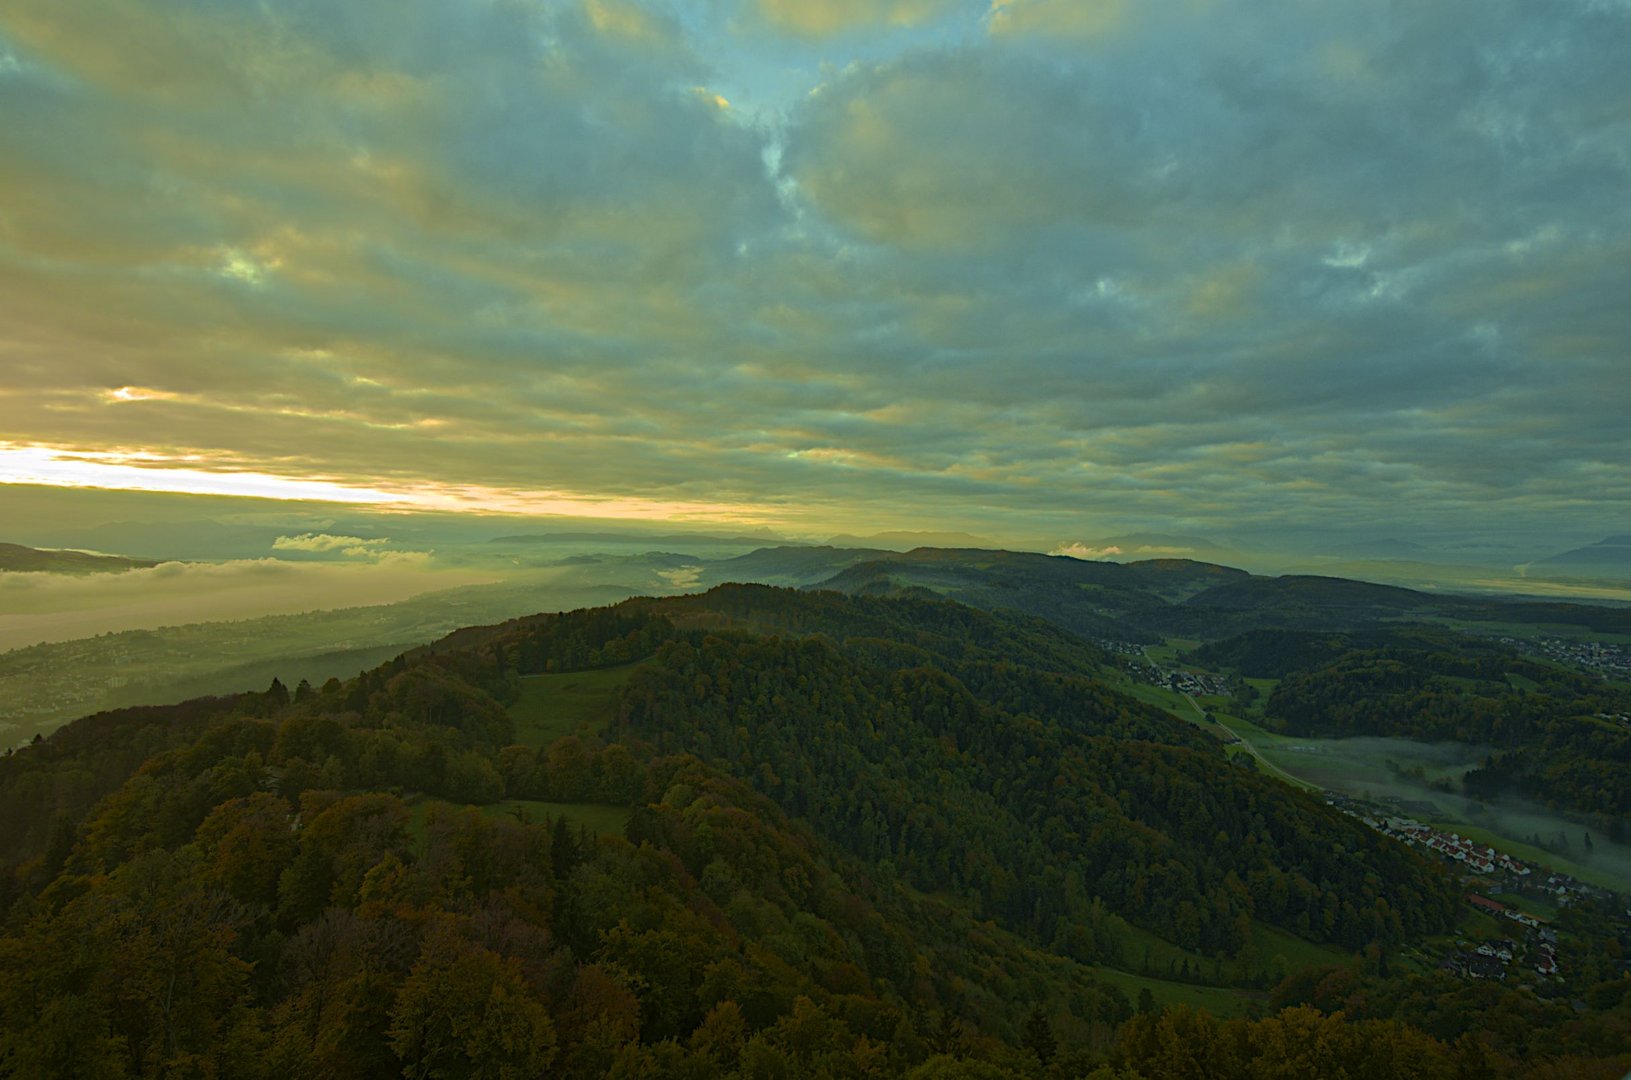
{"points": [[1218, 1001], [554, 705], [596, 817]]}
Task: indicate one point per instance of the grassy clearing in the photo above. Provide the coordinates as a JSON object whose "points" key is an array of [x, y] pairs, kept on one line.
{"points": [[1260, 737], [1255, 741], [1499, 628], [1140, 947], [1215, 1000], [1476, 926], [1264, 688], [1161, 698], [1166, 654], [597, 817], [1271, 941], [554, 705]]}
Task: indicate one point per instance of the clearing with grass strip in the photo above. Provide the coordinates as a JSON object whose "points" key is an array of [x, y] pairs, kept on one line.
{"points": [[576, 701]]}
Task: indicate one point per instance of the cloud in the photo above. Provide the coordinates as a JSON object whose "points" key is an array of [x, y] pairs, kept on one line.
{"points": [[827, 18], [324, 542], [1208, 264], [1082, 551], [682, 577], [375, 550], [1072, 18], [56, 607]]}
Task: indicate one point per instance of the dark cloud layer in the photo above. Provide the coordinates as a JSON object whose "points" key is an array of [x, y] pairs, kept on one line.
{"points": [[1066, 268]]}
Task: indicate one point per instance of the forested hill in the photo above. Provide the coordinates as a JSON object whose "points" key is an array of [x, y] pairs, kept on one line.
{"points": [[755, 832], [17, 558], [1143, 601]]}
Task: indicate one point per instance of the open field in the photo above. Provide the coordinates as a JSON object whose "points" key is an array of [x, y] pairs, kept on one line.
{"points": [[1264, 688], [1271, 941], [1216, 1000], [596, 817], [1166, 653], [1527, 630], [1162, 698], [554, 705], [1254, 740]]}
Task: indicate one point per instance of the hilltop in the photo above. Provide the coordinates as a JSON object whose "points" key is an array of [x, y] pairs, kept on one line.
{"points": [[19, 559]]}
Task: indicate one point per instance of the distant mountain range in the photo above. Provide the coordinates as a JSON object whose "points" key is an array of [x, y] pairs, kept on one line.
{"points": [[633, 538], [906, 540], [1388, 548], [1138, 546], [1611, 555], [1142, 600], [19, 559]]}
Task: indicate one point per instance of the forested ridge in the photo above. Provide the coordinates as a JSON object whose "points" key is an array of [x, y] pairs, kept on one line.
{"points": [[864, 837]]}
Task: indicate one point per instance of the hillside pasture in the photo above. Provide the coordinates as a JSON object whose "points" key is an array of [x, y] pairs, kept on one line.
{"points": [[574, 702]]}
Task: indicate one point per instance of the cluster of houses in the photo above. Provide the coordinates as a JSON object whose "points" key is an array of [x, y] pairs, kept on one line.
{"points": [[1197, 682], [1185, 682], [1492, 960], [1607, 659], [1476, 857], [1490, 907], [1489, 959]]}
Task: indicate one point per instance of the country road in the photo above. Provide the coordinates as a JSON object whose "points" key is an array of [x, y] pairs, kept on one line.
{"points": [[1268, 765], [1254, 751]]}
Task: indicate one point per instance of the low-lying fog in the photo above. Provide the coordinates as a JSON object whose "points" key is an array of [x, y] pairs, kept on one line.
{"points": [[36, 608], [1383, 769]]}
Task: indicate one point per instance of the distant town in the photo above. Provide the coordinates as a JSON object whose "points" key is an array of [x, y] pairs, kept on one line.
{"points": [[1611, 660]]}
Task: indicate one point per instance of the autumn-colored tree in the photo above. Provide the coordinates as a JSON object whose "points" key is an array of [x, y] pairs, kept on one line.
{"points": [[465, 1013]]}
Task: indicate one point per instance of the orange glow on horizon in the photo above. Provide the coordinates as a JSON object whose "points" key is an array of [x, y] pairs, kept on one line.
{"points": [[148, 470]]}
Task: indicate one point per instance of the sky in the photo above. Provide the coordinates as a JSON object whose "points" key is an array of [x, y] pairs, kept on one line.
{"points": [[1054, 268]]}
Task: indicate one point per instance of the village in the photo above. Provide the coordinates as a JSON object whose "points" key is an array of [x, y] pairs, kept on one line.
{"points": [[1529, 950], [1533, 948], [1608, 659], [1139, 667]]}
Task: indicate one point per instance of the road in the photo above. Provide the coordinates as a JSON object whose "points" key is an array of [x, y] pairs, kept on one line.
{"points": [[1270, 767], [1266, 764]]}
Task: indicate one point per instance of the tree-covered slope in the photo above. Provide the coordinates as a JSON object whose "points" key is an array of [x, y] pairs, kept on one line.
{"points": [[865, 836]]}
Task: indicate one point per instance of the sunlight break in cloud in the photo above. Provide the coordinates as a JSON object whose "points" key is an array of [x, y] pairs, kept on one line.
{"points": [[323, 542], [154, 471], [1030, 264], [1082, 551]]}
